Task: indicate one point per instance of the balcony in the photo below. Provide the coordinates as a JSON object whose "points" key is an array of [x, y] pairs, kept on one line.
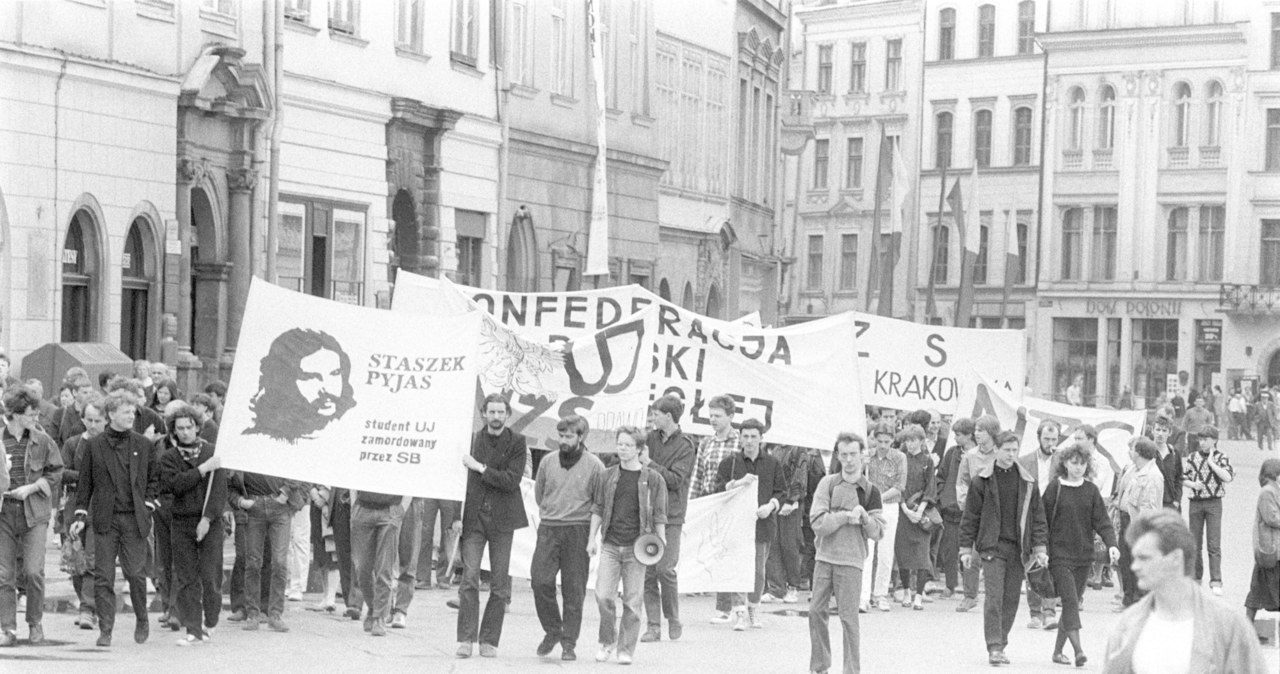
{"points": [[1236, 298], [1179, 157], [1210, 156], [1073, 160], [800, 108], [1102, 160]]}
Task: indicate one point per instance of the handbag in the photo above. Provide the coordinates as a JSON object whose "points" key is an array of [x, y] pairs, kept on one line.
{"points": [[1038, 577]]}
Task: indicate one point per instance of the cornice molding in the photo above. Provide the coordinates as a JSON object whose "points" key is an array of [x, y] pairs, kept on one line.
{"points": [[1152, 36]]}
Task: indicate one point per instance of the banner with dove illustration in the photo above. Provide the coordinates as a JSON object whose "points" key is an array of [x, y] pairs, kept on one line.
{"points": [[717, 543]]}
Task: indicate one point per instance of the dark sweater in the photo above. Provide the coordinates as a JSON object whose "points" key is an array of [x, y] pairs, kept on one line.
{"points": [[182, 481], [1008, 483], [771, 484], [1074, 515]]}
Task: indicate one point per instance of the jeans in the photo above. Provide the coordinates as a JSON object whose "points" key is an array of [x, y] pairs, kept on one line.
{"points": [[375, 544], [83, 583], [783, 568], [762, 562], [845, 584], [242, 557], [1041, 607], [299, 551], [563, 550], [1266, 437], [1207, 514], [340, 520], [162, 568], [1069, 582], [1002, 573], [619, 563], [661, 588], [123, 540], [407, 567], [197, 567], [495, 610], [268, 521], [19, 540], [880, 557], [447, 511]]}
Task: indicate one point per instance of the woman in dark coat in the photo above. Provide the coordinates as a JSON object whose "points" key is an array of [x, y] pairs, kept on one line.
{"points": [[1264, 588], [1075, 512], [911, 542]]}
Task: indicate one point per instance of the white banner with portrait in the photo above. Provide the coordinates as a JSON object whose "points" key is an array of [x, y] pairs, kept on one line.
{"points": [[345, 395]]}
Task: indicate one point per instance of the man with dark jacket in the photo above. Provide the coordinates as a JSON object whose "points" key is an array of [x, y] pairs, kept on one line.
{"points": [[119, 484], [70, 424], [29, 488], [1169, 461], [1004, 524], [782, 573], [670, 453], [270, 503], [95, 421], [493, 510], [952, 509], [189, 475]]}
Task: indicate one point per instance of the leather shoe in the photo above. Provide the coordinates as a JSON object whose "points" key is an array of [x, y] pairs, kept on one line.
{"points": [[277, 625], [104, 639], [141, 632], [464, 650], [548, 643], [37, 634], [488, 651], [652, 634], [567, 654], [674, 630], [237, 616], [8, 639]]}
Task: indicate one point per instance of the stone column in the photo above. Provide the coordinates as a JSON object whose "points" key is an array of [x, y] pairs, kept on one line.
{"points": [[241, 182], [190, 172]]}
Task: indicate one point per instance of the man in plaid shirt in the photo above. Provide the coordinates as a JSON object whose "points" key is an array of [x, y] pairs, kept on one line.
{"points": [[1205, 473], [711, 451]]}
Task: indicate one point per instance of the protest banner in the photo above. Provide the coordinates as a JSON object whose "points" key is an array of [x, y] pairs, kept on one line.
{"points": [[911, 366], [798, 381], [1023, 414], [338, 394], [717, 542]]}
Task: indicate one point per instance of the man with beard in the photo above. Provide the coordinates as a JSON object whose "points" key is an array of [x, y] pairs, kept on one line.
{"points": [[119, 483], [95, 420], [190, 476], [671, 454], [305, 385], [566, 491], [494, 509]]}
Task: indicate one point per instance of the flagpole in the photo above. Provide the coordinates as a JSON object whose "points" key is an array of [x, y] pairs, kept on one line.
{"points": [[930, 308], [875, 219]]}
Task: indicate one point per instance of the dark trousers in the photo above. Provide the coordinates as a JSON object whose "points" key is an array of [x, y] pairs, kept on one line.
{"points": [[407, 557], [783, 567], [197, 568], [473, 541], [375, 548], [340, 520], [446, 512], [269, 522], [82, 583], [1128, 581], [1002, 573], [120, 540], [162, 562], [561, 550], [242, 556], [807, 550], [1069, 582], [661, 588], [949, 555], [1205, 515]]}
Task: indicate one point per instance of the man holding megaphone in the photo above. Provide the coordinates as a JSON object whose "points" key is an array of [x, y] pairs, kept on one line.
{"points": [[631, 513]]}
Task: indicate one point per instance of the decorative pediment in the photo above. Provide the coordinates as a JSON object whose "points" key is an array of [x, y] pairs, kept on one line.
{"points": [[220, 83], [842, 207]]}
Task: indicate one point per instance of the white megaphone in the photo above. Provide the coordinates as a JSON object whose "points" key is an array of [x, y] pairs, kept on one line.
{"points": [[649, 548]]}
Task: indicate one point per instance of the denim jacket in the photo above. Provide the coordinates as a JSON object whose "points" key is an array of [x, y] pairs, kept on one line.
{"points": [[653, 499], [44, 469]]}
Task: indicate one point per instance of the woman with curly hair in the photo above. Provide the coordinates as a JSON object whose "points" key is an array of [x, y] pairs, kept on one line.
{"points": [[1075, 512], [165, 393]]}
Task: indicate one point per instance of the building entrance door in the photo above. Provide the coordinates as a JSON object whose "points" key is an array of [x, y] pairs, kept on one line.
{"points": [[1273, 370]]}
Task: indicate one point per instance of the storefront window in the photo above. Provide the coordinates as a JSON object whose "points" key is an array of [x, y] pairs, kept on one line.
{"points": [[1208, 352], [1113, 362], [1075, 353], [1155, 355]]}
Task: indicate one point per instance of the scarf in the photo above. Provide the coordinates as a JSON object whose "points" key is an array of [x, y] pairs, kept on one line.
{"points": [[570, 458]]}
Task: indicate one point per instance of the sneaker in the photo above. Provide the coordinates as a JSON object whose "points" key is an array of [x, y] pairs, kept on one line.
{"points": [[368, 624], [883, 605], [739, 620], [1216, 589], [605, 652], [548, 643], [488, 651], [237, 616], [277, 625], [624, 658], [567, 654], [1050, 623], [293, 596], [37, 634], [721, 618], [104, 640], [997, 658], [906, 601], [208, 632], [864, 607], [1035, 623], [397, 620], [791, 597], [8, 639], [753, 614], [378, 630], [87, 621], [251, 624], [917, 604], [967, 604], [769, 598], [464, 650], [651, 635], [190, 640]]}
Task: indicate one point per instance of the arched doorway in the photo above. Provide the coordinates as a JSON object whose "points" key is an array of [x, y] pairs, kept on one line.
{"points": [[406, 239], [522, 254], [1273, 370], [137, 278], [664, 290], [80, 282], [713, 302], [686, 298], [207, 277]]}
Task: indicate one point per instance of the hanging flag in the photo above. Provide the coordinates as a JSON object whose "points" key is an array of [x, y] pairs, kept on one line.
{"points": [[598, 234], [971, 231], [884, 169], [930, 307], [1012, 259], [901, 187]]}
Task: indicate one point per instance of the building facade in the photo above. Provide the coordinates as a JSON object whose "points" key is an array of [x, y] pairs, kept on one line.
{"points": [[857, 82], [1149, 165], [983, 74]]}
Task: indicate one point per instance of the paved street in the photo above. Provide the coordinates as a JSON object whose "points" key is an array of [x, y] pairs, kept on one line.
{"points": [[937, 639]]}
